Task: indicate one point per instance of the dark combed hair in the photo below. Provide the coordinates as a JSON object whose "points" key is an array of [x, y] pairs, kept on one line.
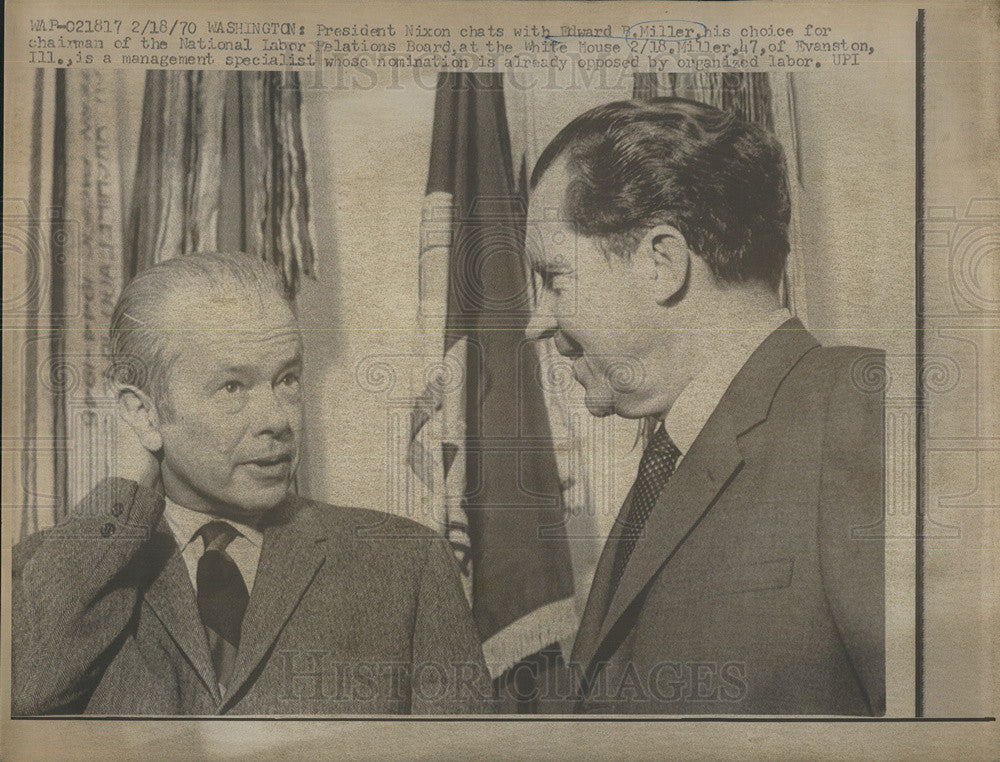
{"points": [[720, 181]]}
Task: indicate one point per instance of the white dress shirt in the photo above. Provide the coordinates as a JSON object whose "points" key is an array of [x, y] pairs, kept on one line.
{"points": [[244, 548], [692, 409]]}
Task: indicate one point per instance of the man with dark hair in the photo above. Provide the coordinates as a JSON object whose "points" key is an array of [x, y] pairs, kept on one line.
{"points": [[745, 571], [196, 582]]}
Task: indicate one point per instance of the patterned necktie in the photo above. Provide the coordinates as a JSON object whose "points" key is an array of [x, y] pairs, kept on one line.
{"points": [[222, 598], [659, 460]]}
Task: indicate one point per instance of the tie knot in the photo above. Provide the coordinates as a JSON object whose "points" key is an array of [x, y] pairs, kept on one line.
{"points": [[217, 535]]}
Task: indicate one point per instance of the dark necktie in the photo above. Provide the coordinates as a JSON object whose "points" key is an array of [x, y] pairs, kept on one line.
{"points": [[222, 598], [659, 460]]}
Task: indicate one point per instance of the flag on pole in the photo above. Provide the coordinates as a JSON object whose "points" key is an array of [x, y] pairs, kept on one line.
{"points": [[481, 444]]}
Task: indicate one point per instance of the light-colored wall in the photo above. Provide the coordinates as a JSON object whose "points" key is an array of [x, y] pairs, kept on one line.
{"points": [[857, 207], [369, 155]]}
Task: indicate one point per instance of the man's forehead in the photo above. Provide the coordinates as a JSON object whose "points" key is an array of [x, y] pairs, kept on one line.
{"points": [[214, 318], [549, 235], [546, 201], [201, 305], [208, 352]]}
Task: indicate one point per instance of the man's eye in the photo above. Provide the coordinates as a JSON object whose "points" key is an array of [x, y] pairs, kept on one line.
{"points": [[290, 379], [547, 280], [232, 387], [557, 283]]}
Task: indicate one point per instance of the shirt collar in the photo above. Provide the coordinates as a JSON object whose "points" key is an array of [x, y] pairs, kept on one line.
{"points": [[185, 524], [696, 403]]}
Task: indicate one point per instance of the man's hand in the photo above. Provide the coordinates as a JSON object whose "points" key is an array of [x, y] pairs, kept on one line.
{"points": [[132, 460]]}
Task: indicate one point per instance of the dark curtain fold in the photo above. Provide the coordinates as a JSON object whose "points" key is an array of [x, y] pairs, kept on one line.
{"points": [[222, 166]]}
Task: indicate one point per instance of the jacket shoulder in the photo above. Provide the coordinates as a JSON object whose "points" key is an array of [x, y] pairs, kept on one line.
{"points": [[840, 372], [843, 361], [365, 539], [340, 518]]}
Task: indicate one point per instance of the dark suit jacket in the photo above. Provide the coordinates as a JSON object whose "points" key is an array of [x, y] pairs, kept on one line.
{"points": [[758, 586], [352, 611]]}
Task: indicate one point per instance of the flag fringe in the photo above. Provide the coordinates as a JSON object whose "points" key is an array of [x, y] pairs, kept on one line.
{"points": [[555, 622]]}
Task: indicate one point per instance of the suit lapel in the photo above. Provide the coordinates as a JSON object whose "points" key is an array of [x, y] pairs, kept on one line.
{"points": [[172, 599], [597, 600], [687, 497], [713, 459], [292, 553]]}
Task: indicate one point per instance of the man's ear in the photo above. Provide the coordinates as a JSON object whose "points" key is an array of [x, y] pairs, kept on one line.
{"points": [[667, 261], [136, 408]]}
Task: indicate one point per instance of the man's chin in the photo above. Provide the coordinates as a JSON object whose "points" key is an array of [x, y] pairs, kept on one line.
{"points": [[252, 505], [599, 407]]}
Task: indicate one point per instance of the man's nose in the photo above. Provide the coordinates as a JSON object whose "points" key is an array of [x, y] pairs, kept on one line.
{"points": [[542, 322], [275, 416]]}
